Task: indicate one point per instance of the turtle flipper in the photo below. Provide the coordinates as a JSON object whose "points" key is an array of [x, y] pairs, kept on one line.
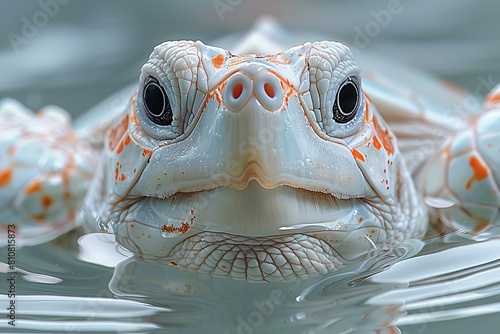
{"points": [[462, 181], [44, 172]]}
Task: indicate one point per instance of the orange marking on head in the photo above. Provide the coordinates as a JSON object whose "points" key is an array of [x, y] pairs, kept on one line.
{"points": [[216, 93], [5, 177], [385, 137], [116, 173], [127, 140], [360, 219], [367, 113], [376, 143], [358, 155], [287, 95], [146, 152], [115, 134], [33, 187], [123, 177], [120, 148], [218, 60], [218, 97], [47, 201], [480, 171], [135, 170]]}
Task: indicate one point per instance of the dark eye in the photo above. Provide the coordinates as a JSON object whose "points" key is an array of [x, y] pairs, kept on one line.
{"points": [[347, 100], [156, 102]]}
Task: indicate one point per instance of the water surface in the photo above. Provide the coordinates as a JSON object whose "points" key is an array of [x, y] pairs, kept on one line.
{"points": [[90, 285]]}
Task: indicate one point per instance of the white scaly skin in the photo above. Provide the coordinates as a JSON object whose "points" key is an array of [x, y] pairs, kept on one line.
{"points": [[44, 173], [245, 183], [248, 182], [466, 173]]}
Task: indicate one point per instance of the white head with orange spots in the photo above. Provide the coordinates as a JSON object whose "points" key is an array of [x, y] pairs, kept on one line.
{"points": [[262, 168]]}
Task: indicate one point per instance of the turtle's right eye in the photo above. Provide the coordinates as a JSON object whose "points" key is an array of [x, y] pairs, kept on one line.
{"points": [[156, 102], [347, 100]]}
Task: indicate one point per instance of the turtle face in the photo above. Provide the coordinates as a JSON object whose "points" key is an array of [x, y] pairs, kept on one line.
{"points": [[263, 168]]}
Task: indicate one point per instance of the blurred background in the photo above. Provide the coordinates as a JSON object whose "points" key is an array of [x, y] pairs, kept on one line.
{"points": [[75, 53]]}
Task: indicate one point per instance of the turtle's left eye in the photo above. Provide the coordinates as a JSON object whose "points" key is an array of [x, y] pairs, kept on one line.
{"points": [[346, 101], [156, 102]]}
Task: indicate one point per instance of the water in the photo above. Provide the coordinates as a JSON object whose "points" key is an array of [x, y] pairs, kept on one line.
{"points": [[67, 285]]}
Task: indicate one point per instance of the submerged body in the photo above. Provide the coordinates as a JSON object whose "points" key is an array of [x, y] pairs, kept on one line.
{"points": [[268, 167]]}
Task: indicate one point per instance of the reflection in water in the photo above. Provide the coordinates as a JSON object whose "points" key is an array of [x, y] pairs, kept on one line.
{"points": [[445, 285], [92, 285], [202, 303], [154, 297]]}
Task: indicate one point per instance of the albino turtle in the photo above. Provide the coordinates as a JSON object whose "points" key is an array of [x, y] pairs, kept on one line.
{"points": [[256, 167]]}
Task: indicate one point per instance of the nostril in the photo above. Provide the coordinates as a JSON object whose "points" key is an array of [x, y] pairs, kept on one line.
{"points": [[268, 88], [269, 91], [237, 90]]}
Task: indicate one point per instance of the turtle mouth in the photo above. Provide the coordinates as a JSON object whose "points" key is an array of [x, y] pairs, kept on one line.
{"points": [[256, 234], [258, 259]]}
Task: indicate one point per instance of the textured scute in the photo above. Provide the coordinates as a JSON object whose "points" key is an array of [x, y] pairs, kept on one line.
{"points": [[466, 172], [44, 173]]}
